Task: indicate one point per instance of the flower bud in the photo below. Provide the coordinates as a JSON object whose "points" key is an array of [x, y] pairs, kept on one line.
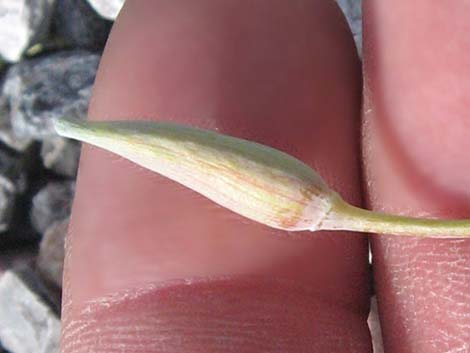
{"points": [[253, 180]]}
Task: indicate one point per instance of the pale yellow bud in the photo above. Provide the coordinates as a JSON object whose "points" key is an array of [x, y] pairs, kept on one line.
{"points": [[253, 180]]}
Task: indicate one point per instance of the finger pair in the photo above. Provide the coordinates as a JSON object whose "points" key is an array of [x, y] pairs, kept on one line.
{"points": [[153, 267]]}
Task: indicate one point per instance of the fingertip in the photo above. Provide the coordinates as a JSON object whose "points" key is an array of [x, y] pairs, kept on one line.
{"points": [[263, 70]]}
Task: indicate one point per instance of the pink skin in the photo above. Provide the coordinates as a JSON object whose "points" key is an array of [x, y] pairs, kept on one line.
{"points": [[271, 71], [416, 151], [153, 267]]}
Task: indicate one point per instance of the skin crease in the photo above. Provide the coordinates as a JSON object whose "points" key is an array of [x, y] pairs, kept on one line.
{"points": [[416, 128], [154, 267]]}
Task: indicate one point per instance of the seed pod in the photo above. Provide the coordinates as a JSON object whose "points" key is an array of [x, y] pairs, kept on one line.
{"points": [[253, 180]]}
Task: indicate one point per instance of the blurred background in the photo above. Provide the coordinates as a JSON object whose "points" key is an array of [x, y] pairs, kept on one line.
{"points": [[49, 54]]}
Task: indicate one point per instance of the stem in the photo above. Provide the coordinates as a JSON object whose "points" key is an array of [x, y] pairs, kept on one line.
{"points": [[347, 217]]}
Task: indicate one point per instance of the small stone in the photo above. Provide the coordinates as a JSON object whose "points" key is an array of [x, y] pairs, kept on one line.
{"points": [[17, 257], [12, 183], [80, 26], [53, 203], [2, 350], [7, 206], [50, 262], [10, 139], [42, 89], [28, 322], [61, 155], [107, 8], [353, 11], [22, 23], [7, 136], [13, 170]]}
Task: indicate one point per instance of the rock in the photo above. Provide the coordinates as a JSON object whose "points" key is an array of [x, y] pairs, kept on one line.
{"points": [[7, 206], [13, 168], [7, 136], [21, 176], [353, 12], [80, 26], [51, 204], [22, 23], [2, 350], [50, 262], [12, 183], [10, 139], [107, 8], [53, 86], [28, 322], [18, 257], [61, 155]]}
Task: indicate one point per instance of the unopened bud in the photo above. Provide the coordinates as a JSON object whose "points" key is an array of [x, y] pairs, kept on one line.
{"points": [[253, 180]]}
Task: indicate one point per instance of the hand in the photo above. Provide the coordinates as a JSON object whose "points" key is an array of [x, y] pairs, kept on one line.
{"points": [[154, 267]]}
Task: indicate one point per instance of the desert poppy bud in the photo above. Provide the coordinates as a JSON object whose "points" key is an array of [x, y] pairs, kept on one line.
{"points": [[253, 180]]}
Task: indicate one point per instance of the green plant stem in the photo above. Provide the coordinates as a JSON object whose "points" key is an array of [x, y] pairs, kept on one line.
{"points": [[344, 216]]}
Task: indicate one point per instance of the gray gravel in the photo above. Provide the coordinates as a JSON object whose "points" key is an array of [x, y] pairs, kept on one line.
{"points": [[353, 12], [78, 24], [7, 136], [22, 23], [12, 183], [61, 155], [52, 204], [28, 323], [107, 8], [54, 86], [50, 262]]}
